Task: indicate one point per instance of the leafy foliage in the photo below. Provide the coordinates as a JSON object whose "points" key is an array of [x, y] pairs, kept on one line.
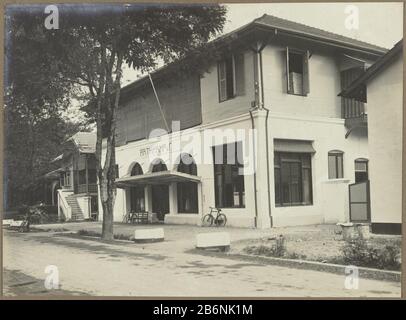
{"points": [[360, 253], [87, 53]]}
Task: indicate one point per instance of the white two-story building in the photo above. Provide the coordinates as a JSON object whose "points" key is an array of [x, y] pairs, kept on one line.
{"points": [[272, 105]]}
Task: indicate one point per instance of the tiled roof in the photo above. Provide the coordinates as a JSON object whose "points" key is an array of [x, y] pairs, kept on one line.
{"points": [[290, 27], [305, 30], [84, 141]]}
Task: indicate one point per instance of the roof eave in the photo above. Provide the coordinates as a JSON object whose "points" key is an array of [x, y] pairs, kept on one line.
{"points": [[372, 71], [318, 38]]}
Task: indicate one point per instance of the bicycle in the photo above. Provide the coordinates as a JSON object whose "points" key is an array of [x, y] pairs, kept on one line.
{"points": [[219, 220]]}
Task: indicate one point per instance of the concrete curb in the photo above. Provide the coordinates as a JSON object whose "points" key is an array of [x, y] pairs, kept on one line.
{"points": [[366, 273]]}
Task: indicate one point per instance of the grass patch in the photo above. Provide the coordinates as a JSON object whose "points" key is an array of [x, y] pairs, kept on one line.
{"points": [[276, 249], [97, 234], [378, 253]]}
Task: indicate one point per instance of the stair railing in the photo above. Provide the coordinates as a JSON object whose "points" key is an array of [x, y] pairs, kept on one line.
{"points": [[63, 204]]}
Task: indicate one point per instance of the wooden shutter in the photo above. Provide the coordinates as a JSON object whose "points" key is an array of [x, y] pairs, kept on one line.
{"points": [[289, 88], [221, 67], [306, 82], [239, 74]]}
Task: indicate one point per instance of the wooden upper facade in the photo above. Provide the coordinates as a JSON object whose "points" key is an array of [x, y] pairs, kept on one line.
{"points": [[303, 69]]}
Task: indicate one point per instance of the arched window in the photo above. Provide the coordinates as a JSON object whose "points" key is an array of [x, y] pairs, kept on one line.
{"points": [[137, 199], [187, 164], [361, 170], [158, 165], [335, 164], [136, 170], [187, 191]]}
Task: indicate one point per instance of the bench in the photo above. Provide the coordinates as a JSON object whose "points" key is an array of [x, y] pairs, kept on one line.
{"points": [[139, 217]]}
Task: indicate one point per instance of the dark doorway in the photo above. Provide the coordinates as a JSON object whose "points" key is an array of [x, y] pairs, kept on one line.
{"points": [[160, 200], [160, 192], [137, 202], [187, 191]]}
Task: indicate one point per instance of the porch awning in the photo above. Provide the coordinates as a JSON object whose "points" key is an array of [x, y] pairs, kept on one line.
{"points": [[297, 146], [53, 174], [162, 177]]}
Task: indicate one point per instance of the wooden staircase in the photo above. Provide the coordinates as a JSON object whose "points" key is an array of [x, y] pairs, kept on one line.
{"points": [[77, 213]]}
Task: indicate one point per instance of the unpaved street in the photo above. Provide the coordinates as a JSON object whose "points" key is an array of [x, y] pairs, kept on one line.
{"points": [[127, 269]]}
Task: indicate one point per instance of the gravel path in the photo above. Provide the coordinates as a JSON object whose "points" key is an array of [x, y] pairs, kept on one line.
{"points": [[167, 269]]}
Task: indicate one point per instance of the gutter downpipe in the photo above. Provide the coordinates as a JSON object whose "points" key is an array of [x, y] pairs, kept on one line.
{"points": [[260, 105], [266, 138], [255, 170]]}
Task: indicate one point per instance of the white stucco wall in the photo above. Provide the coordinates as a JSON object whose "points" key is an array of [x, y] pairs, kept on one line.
{"points": [[324, 80], [316, 117], [330, 196], [195, 142], [385, 105]]}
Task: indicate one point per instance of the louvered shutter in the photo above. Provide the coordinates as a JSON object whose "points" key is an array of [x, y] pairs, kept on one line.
{"points": [[222, 80], [306, 82], [239, 74]]}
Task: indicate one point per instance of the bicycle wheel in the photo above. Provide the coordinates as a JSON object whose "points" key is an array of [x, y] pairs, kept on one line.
{"points": [[207, 220], [221, 220]]}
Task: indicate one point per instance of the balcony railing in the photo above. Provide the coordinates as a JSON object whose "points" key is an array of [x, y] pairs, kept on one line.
{"points": [[355, 114], [84, 188]]}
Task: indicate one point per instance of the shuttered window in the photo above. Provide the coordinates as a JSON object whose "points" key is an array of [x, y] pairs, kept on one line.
{"points": [[297, 72], [231, 79], [335, 164]]}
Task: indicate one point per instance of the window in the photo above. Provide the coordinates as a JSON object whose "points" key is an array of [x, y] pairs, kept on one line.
{"points": [[228, 176], [231, 77], [297, 72], [187, 191], [335, 165], [361, 170], [66, 178], [137, 199], [158, 165], [293, 179], [91, 168], [92, 175]]}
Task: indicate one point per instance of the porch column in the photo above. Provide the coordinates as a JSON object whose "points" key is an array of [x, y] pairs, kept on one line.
{"points": [[148, 198], [173, 198], [127, 200], [200, 202], [262, 186]]}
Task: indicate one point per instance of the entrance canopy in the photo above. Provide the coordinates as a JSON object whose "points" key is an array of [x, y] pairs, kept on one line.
{"points": [[154, 178]]}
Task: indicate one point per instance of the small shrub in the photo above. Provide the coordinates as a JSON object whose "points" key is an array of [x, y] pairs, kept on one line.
{"points": [[280, 246], [278, 249], [89, 233], [360, 253], [389, 258], [96, 234], [295, 255]]}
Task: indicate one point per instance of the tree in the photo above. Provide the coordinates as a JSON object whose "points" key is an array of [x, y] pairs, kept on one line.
{"points": [[36, 94], [94, 45]]}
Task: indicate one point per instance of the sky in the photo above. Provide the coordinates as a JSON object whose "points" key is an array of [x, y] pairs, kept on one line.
{"points": [[379, 23]]}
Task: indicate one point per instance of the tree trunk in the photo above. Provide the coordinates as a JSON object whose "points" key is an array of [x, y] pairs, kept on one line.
{"points": [[107, 186]]}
